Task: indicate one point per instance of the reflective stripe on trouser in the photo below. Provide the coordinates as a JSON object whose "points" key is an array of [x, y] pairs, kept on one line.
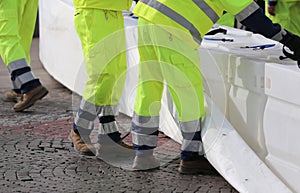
{"points": [[191, 132], [17, 21], [287, 14], [144, 133], [103, 42], [88, 112], [22, 78]]}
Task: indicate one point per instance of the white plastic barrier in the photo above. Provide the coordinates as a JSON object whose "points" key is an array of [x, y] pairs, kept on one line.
{"points": [[60, 48], [282, 122], [214, 68], [247, 101], [233, 158]]}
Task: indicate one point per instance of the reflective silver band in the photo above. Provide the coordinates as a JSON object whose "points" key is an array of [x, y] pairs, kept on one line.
{"points": [[176, 17], [89, 107], [107, 128], [193, 146], [14, 85], [86, 115], [83, 123], [110, 110], [278, 37], [207, 10], [18, 64], [145, 121], [247, 11], [190, 126], [23, 78], [142, 139]]}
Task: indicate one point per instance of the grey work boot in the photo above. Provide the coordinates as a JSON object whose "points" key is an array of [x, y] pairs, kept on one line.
{"points": [[145, 163]]}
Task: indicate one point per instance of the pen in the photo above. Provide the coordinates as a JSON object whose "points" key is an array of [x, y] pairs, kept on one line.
{"points": [[261, 47], [219, 39]]}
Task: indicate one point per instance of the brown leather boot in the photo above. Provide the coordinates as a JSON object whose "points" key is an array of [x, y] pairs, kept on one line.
{"points": [[11, 96], [200, 166], [28, 99], [82, 145]]}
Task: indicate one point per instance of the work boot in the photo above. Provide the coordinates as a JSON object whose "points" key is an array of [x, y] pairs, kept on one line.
{"points": [[28, 99], [145, 163], [11, 96], [200, 166], [82, 145]]}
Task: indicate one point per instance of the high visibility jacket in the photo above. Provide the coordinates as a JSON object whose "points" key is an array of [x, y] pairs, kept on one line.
{"points": [[117, 5], [193, 16], [283, 0], [287, 14], [274, 2]]}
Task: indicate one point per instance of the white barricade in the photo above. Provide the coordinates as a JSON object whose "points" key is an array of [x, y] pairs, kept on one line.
{"points": [[282, 122], [247, 101]]}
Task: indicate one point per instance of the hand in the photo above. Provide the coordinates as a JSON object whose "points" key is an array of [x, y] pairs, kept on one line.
{"points": [[294, 45], [271, 10]]}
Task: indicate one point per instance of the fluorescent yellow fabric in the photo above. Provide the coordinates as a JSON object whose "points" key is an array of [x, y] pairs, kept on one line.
{"points": [[227, 19], [117, 5], [187, 9], [103, 42], [17, 21], [232, 6], [287, 15], [190, 11], [164, 57], [288, 0]]}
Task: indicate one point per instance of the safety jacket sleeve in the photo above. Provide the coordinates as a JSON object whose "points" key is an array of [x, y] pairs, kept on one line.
{"points": [[233, 6], [258, 22]]}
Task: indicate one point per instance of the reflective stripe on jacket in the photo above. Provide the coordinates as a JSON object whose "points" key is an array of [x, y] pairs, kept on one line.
{"points": [[193, 16]]}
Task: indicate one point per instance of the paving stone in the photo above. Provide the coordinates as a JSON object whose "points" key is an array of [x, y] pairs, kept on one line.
{"points": [[10, 175]]}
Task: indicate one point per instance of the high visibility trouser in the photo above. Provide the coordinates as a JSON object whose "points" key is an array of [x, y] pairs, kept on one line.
{"points": [[17, 21], [165, 58], [103, 43], [287, 14]]}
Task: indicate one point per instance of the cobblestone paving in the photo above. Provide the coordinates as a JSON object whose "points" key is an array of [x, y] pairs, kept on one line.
{"points": [[35, 156]]}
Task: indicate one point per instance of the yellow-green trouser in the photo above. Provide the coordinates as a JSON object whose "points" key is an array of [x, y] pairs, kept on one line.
{"points": [[17, 21], [103, 43], [287, 14], [164, 58]]}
